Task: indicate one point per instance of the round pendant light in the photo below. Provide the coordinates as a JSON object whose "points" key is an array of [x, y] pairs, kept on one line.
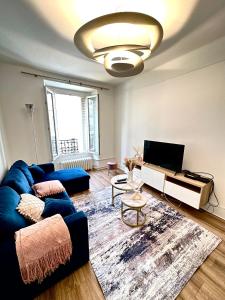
{"points": [[121, 41]]}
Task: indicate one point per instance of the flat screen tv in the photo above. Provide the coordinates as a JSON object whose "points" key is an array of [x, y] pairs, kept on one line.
{"points": [[165, 155]]}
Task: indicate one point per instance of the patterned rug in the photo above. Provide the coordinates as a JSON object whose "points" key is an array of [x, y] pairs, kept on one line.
{"points": [[150, 262]]}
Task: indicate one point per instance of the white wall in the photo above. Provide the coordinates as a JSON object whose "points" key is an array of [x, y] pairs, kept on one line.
{"points": [[3, 164], [16, 90], [106, 120], [188, 109]]}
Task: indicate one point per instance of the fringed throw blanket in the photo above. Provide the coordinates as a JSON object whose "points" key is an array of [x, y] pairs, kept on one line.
{"points": [[42, 247]]}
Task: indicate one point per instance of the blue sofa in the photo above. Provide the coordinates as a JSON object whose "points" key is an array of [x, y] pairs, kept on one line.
{"points": [[19, 180]]}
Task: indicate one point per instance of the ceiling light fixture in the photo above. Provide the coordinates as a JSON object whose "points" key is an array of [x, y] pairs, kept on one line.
{"points": [[121, 41]]}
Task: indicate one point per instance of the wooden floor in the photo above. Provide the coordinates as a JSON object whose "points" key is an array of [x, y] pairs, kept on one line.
{"points": [[208, 282]]}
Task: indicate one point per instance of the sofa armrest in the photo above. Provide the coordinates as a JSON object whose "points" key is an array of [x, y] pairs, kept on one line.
{"points": [[77, 224], [9, 266], [48, 167], [78, 227], [9, 271]]}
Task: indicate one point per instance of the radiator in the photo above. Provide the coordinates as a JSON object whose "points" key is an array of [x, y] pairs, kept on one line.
{"points": [[82, 161]]}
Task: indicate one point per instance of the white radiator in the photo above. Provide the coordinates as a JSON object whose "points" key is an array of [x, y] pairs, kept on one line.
{"points": [[72, 161]]}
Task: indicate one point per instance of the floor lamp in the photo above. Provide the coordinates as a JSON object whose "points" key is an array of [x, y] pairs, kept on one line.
{"points": [[30, 108]]}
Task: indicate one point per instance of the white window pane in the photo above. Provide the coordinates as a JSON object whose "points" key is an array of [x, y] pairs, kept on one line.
{"points": [[93, 124], [52, 126], [69, 120]]}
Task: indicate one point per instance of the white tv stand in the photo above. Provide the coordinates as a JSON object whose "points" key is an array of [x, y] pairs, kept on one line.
{"points": [[192, 192]]}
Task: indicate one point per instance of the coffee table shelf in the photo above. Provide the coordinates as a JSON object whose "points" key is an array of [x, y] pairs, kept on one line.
{"points": [[123, 187]]}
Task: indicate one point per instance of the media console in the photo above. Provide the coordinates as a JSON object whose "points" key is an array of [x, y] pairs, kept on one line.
{"points": [[189, 191]]}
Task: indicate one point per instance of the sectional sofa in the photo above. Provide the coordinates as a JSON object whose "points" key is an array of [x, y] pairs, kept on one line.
{"points": [[18, 180]]}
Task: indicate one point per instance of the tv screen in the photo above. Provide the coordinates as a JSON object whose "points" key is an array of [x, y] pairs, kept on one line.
{"points": [[166, 155]]}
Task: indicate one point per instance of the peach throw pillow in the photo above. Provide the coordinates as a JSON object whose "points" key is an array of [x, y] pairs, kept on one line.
{"points": [[46, 188]]}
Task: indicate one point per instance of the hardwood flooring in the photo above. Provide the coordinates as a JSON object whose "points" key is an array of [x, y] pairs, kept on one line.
{"points": [[208, 282]]}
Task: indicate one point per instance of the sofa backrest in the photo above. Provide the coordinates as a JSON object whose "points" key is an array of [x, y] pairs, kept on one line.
{"points": [[16, 179], [22, 166], [10, 219]]}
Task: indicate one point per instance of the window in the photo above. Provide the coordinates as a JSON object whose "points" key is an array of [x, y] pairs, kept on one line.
{"points": [[73, 122]]}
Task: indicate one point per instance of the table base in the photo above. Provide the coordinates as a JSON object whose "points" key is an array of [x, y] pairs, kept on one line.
{"points": [[139, 212]]}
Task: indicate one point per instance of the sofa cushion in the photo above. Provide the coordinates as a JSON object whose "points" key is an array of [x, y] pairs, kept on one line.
{"points": [[10, 219], [43, 189], [62, 196], [22, 166], [58, 206], [16, 179], [31, 207], [74, 180], [37, 173]]}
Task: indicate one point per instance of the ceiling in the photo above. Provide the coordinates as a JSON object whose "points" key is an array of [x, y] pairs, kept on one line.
{"points": [[39, 33]]}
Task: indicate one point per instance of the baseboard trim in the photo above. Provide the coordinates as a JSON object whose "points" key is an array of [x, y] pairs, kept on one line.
{"points": [[99, 168], [102, 163], [218, 211]]}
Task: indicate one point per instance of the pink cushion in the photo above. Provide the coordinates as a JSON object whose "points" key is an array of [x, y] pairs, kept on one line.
{"points": [[46, 188]]}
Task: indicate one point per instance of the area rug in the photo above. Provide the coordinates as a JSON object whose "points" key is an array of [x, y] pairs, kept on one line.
{"points": [[151, 262]]}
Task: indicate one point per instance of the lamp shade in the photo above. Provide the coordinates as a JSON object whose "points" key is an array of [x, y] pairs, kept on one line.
{"points": [[29, 107], [121, 41]]}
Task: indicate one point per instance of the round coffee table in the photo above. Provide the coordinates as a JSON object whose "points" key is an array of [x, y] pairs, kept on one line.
{"points": [[135, 205], [123, 187]]}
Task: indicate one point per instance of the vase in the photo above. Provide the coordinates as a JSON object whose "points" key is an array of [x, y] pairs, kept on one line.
{"points": [[130, 176]]}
